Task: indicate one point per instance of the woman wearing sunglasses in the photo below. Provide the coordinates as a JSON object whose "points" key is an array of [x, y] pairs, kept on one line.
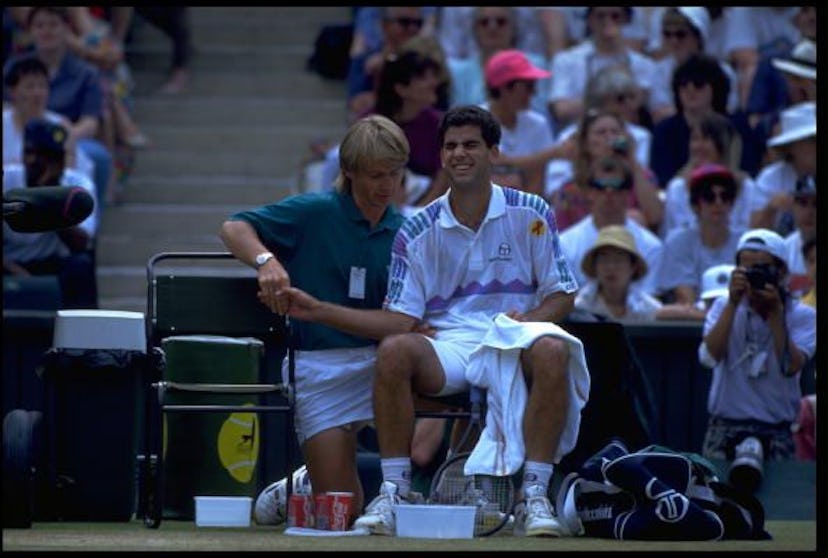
{"points": [[690, 250], [713, 140]]}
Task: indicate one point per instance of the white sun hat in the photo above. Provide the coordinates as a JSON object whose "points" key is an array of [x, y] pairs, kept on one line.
{"points": [[715, 281], [798, 122], [801, 61]]}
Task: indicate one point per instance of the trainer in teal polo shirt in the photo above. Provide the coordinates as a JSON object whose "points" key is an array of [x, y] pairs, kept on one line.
{"points": [[330, 251]]}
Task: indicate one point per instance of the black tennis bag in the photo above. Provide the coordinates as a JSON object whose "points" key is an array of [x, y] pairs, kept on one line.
{"points": [[656, 493]]}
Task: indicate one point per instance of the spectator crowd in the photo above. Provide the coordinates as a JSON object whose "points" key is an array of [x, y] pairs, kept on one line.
{"points": [[68, 109], [675, 148]]}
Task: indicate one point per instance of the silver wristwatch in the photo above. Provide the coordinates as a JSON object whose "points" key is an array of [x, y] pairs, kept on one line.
{"points": [[263, 258]]}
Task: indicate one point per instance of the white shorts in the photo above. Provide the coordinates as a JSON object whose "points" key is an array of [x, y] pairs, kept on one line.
{"points": [[333, 388], [454, 357]]}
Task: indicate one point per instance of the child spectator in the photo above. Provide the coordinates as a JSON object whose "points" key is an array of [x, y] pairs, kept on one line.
{"points": [[613, 264]]}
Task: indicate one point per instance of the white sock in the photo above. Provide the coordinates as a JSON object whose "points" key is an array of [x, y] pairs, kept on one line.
{"points": [[537, 473], [398, 471]]}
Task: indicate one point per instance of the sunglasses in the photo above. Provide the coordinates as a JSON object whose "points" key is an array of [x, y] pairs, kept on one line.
{"points": [[610, 184], [710, 196], [408, 21], [680, 35], [496, 21], [621, 97], [697, 82]]}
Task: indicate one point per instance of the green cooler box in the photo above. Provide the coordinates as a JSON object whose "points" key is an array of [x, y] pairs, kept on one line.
{"points": [[210, 453]]}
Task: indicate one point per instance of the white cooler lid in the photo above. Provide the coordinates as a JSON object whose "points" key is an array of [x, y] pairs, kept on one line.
{"points": [[100, 329]]}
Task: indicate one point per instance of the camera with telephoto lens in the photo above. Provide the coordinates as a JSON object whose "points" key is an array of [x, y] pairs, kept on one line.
{"points": [[761, 274], [620, 145]]}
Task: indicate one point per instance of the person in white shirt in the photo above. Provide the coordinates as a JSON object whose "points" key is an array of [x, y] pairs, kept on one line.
{"points": [[526, 139], [27, 83], [572, 68], [494, 29], [756, 32], [775, 185], [713, 140], [688, 251], [804, 216], [608, 191], [612, 265], [756, 340], [68, 252]]}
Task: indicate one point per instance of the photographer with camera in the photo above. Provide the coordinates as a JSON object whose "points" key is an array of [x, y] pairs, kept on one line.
{"points": [[757, 340]]}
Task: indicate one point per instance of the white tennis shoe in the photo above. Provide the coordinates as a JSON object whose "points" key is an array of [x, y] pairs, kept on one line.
{"points": [[271, 504], [534, 516]]}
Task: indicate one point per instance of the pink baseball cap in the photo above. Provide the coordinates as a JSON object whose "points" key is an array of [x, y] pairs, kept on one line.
{"points": [[509, 65]]}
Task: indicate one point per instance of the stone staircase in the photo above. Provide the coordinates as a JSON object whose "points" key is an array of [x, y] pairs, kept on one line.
{"points": [[234, 141]]}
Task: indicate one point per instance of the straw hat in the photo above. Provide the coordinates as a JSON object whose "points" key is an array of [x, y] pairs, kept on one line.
{"points": [[616, 236]]}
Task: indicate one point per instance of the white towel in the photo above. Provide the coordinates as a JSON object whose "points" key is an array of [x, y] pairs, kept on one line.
{"points": [[495, 366]]}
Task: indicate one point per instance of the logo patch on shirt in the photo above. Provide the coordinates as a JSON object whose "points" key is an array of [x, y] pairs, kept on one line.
{"points": [[504, 253], [537, 227]]}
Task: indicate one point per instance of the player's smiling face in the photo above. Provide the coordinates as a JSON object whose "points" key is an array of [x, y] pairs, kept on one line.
{"points": [[466, 157]]}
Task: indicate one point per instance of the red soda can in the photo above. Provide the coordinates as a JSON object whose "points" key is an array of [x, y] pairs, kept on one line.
{"points": [[341, 505], [300, 511], [322, 506]]}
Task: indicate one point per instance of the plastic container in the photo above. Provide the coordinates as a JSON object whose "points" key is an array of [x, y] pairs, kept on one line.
{"points": [[100, 329], [435, 522], [222, 511]]}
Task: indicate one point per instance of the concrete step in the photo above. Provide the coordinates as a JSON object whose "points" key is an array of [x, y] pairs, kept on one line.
{"points": [[264, 58], [172, 220], [121, 250], [263, 139], [319, 110], [294, 82], [208, 189], [276, 158]]}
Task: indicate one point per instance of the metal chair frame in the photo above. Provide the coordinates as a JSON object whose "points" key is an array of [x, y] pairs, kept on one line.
{"points": [[180, 312]]}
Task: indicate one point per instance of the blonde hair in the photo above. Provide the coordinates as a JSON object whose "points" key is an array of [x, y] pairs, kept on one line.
{"points": [[369, 139]]}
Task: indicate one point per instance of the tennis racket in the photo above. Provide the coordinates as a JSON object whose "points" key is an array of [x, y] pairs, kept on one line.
{"points": [[493, 496]]}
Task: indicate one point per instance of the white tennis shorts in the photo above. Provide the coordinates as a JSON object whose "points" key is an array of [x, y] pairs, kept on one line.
{"points": [[333, 388], [454, 357]]}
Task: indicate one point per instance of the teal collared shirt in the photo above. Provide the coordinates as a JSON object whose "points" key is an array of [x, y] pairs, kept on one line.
{"points": [[323, 241]]}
